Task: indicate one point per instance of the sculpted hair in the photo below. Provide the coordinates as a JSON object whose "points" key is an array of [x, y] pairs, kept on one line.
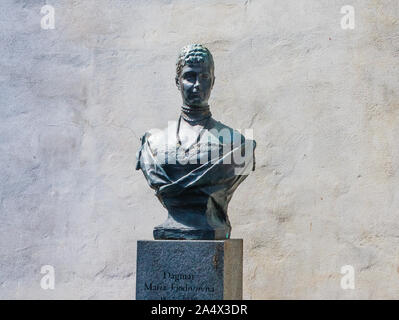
{"points": [[191, 54]]}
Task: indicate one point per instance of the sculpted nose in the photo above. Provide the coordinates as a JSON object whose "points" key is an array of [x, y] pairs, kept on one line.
{"points": [[197, 84]]}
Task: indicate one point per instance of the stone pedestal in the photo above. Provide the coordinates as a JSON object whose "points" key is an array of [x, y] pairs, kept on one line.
{"points": [[189, 270]]}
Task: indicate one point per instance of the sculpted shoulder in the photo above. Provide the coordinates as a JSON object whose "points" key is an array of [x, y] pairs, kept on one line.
{"points": [[158, 138], [217, 132], [226, 134]]}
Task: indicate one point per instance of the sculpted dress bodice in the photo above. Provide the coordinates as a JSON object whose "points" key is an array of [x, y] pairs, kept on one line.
{"points": [[195, 184]]}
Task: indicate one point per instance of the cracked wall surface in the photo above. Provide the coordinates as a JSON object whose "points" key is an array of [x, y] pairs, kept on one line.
{"points": [[323, 103]]}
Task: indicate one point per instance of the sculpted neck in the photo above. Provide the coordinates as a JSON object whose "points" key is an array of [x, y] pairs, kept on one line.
{"points": [[194, 114]]}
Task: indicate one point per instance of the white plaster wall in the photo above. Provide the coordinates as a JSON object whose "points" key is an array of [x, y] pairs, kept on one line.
{"points": [[323, 103]]}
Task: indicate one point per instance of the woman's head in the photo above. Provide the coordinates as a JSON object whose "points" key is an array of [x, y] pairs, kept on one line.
{"points": [[195, 74]]}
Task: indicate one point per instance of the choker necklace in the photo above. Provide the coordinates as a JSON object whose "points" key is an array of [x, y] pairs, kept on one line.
{"points": [[195, 114]]}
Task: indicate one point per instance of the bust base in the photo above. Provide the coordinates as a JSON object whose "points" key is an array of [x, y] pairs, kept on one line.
{"points": [[189, 270], [162, 233]]}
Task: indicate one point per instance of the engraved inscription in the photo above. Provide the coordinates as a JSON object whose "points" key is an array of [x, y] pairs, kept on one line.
{"points": [[178, 282]]}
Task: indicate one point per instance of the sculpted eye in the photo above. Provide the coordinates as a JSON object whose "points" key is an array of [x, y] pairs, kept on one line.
{"points": [[189, 76]]}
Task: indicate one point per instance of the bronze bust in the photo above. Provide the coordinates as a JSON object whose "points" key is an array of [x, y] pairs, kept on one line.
{"points": [[196, 163]]}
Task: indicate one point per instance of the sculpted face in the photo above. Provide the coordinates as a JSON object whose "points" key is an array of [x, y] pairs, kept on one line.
{"points": [[195, 84]]}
